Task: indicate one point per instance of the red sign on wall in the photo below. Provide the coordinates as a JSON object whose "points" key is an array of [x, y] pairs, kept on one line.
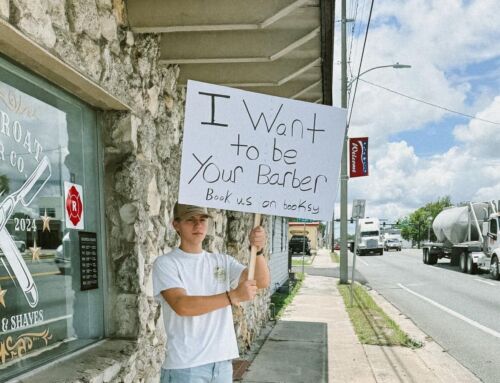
{"points": [[73, 206], [358, 157]]}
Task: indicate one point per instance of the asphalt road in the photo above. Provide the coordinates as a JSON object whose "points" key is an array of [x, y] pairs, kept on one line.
{"points": [[459, 311]]}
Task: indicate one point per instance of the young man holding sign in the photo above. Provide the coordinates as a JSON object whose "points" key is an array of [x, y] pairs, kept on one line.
{"points": [[196, 290]]}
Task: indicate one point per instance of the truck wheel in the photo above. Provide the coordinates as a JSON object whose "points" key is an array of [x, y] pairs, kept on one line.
{"points": [[495, 268], [425, 256], [471, 266], [433, 259], [463, 262]]}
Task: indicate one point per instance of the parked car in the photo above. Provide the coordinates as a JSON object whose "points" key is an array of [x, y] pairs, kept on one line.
{"points": [[350, 246], [62, 258], [336, 246], [21, 245], [392, 244], [299, 243]]}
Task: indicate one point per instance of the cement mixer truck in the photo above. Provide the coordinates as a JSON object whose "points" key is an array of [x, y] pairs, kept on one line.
{"points": [[469, 236]]}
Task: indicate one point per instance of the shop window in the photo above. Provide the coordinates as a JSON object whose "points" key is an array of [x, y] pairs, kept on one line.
{"points": [[51, 300], [47, 211]]}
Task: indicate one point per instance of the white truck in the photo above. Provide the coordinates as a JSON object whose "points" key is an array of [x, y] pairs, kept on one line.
{"points": [[392, 239], [469, 236], [369, 240]]}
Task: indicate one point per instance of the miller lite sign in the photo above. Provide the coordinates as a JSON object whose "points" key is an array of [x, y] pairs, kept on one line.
{"points": [[358, 157]]}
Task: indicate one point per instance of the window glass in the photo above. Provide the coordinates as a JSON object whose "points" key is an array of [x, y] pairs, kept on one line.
{"points": [[369, 233], [493, 226], [47, 140]]}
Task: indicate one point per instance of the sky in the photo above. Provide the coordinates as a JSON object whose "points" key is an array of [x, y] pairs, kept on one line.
{"points": [[419, 153]]}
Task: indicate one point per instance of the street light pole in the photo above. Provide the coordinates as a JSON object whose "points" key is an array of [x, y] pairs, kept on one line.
{"points": [[394, 66], [343, 164], [332, 227]]}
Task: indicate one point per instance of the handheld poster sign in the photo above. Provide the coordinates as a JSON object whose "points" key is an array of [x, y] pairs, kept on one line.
{"points": [[256, 153]]}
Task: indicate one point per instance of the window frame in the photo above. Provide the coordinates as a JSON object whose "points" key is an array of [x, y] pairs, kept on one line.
{"points": [[91, 118]]}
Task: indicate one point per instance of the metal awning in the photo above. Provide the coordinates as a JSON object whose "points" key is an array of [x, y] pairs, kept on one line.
{"points": [[277, 47]]}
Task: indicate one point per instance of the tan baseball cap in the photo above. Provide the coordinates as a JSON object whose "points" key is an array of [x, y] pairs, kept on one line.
{"points": [[182, 211]]}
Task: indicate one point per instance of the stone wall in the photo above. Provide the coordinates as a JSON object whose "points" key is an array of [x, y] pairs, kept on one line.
{"points": [[142, 164]]}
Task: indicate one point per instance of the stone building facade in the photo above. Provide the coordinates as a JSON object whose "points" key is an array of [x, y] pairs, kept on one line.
{"points": [[141, 152]]}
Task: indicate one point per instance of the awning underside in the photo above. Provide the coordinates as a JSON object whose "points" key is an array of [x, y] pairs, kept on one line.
{"points": [[267, 46]]}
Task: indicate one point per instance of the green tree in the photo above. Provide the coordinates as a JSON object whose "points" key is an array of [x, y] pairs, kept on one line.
{"points": [[322, 229], [418, 225]]}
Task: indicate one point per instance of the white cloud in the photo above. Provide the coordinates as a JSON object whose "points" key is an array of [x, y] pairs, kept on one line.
{"points": [[449, 33], [490, 193], [440, 39], [400, 182], [482, 138]]}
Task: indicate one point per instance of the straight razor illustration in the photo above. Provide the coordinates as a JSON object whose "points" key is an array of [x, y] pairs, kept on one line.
{"points": [[10, 202], [18, 266], [26, 194]]}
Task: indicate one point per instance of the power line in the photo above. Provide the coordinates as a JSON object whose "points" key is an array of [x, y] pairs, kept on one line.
{"points": [[363, 8], [360, 62], [356, 26], [429, 103], [353, 17]]}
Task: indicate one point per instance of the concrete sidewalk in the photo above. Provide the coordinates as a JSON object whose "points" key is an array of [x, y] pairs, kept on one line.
{"points": [[315, 342]]}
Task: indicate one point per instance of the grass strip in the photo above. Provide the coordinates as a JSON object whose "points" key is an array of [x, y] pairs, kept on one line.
{"points": [[282, 299], [334, 256], [371, 324], [308, 260]]}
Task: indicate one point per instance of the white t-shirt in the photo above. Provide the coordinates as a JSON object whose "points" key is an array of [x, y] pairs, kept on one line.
{"points": [[196, 340]]}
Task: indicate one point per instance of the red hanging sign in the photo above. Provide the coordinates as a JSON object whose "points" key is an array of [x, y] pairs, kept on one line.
{"points": [[358, 157]]}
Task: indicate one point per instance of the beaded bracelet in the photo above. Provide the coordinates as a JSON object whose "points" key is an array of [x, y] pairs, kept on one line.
{"points": [[229, 298]]}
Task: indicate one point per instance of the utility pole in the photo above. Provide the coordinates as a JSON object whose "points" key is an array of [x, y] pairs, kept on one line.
{"points": [[332, 226], [343, 166]]}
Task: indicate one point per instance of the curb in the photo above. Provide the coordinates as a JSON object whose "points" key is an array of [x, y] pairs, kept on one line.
{"points": [[431, 354]]}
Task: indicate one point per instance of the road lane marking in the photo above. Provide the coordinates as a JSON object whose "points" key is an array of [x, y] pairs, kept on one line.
{"points": [[453, 313], [363, 262], [34, 275], [488, 283], [8, 272]]}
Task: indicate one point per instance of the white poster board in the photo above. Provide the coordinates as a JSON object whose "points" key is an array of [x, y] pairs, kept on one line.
{"points": [[255, 153]]}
